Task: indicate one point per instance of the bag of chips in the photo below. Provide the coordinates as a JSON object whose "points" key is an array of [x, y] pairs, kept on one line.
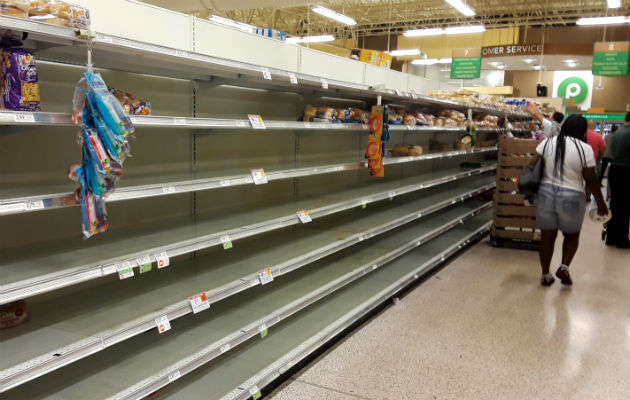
{"points": [[20, 84]]}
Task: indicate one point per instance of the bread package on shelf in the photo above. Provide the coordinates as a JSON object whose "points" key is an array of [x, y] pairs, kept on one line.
{"points": [[131, 104], [19, 84], [13, 314], [407, 150], [410, 119], [14, 8], [59, 13], [486, 121]]}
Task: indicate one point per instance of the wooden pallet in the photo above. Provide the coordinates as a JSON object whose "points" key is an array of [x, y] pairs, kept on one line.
{"points": [[514, 223]]}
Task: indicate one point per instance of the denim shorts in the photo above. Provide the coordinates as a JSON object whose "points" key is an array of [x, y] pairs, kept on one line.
{"points": [[560, 209]]}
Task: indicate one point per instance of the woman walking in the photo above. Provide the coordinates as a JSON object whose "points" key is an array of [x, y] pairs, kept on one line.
{"points": [[560, 201]]}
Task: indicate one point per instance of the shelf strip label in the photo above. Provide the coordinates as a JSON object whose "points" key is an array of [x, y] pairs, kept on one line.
{"points": [[163, 324]]}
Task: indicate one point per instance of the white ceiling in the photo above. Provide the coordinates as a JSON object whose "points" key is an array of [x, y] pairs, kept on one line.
{"points": [[187, 6], [550, 62]]}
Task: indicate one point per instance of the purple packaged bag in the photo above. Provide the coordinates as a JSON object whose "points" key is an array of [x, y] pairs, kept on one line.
{"points": [[20, 87]]}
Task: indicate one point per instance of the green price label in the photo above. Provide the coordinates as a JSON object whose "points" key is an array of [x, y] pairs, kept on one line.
{"points": [[146, 268]]}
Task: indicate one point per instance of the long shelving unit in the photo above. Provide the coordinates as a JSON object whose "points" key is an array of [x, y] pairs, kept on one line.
{"points": [[186, 194]]}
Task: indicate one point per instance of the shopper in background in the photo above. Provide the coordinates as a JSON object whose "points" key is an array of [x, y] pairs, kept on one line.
{"points": [[560, 204], [617, 228], [596, 141], [550, 122], [607, 158]]}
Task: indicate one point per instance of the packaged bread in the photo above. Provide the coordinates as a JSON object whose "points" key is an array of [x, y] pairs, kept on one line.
{"points": [[409, 119], [395, 119], [59, 13], [407, 150], [13, 314], [132, 104], [310, 112], [20, 84], [38, 7], [326, 113], [14, 8], [358, 115]]}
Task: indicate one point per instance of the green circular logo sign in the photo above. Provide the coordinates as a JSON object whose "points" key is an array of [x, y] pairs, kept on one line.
{"points": [[573, 88]]}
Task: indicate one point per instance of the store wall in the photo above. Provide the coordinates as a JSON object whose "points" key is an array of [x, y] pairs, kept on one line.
{"points": [[615, 95]]}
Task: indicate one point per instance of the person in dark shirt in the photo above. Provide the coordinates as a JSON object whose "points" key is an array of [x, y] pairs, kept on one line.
{"points": [[617, 228]]}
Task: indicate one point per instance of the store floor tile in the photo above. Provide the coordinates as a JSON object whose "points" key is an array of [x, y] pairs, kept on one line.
{"points": [[483, 328]]}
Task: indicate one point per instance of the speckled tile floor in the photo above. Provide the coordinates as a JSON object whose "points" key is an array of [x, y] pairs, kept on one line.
{"points": [[483, 328]]}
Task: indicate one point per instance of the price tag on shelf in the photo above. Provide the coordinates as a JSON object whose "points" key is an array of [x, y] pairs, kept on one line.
{"points": [[199, 302], [145, 264], [292, 78], [263, 330], [24, 117], [133, 120], [324, 83], [163, 324], [266, 73], [225, 347], [173, 376], [227, 242], [181, 53], [304, 217], [259, 176], [168, 189], [255, 392], [225, 183], [391, 196], [125, 270], [103, 38], [179, 121], [34, 205], [265, 276], [364, 204], [256, 121], [162, 260]]}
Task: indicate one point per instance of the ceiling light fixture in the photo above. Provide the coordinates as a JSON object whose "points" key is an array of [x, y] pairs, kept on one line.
{"points": [[328, 13], [537, 67], [445, 60], [461, 7], [430, 61], [494, 63], [456, 30], [405, 52], [452, 30], [311, 39], [569, 61], [501, 66], [603, 21], [528, 60], [571, 65], [614, 3], [234, 24]]}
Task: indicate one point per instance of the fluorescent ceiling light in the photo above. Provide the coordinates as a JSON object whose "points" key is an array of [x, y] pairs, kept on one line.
{"points": [[501, 66], [293, 39], [528, 60], [603, 21], [445, 60], [614, 3], [430, 61], [569, 61], [424, 32], [461, 7], [456, 30], [537, 67], [232, 23], [316, 39], [405, 52], [328, 13], [452, 30], [494, 63]]}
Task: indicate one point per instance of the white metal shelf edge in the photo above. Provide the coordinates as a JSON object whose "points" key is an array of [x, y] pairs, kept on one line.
{"points": [[266, 376], [52, 201], [189, 364]]}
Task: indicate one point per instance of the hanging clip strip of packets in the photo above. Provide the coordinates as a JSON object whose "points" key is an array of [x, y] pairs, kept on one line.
{"points": [[379, 135], [105, 128]]}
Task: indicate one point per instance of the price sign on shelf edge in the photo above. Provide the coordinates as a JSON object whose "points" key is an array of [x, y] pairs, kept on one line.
{"points": [[265, 276], [266, 73], [163, 324], [324, 83], [162, 259], [199, 302], [226, 241], [293, 78], [256, 121], [304, 217], [259, 176]]}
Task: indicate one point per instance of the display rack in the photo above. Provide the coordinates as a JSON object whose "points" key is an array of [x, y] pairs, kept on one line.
{"points": [[187, 192], [514, 221]]}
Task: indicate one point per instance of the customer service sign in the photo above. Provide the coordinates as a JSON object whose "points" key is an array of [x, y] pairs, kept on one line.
{"points": [[574, 85]]}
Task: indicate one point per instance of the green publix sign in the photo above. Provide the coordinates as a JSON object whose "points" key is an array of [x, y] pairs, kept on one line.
{"points": [[611, 58], [466, 63]]}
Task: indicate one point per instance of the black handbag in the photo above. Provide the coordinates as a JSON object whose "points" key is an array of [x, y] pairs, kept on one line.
{"points": [[532, 175]]}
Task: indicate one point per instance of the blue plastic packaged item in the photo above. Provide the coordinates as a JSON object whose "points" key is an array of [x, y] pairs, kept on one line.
{"points": [[110, 140], [94, 179], [97, 151], [107, 106], [93, 212]]}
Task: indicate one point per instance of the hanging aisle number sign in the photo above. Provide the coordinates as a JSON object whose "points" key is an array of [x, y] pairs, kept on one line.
{"points": [[466, 63], [611, 58]]}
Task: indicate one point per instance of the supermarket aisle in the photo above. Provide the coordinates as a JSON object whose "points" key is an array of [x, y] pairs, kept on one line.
{"points": [[483, 328]]}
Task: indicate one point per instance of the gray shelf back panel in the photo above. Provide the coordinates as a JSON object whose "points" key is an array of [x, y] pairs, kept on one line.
{"points": [[108, 372]]}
